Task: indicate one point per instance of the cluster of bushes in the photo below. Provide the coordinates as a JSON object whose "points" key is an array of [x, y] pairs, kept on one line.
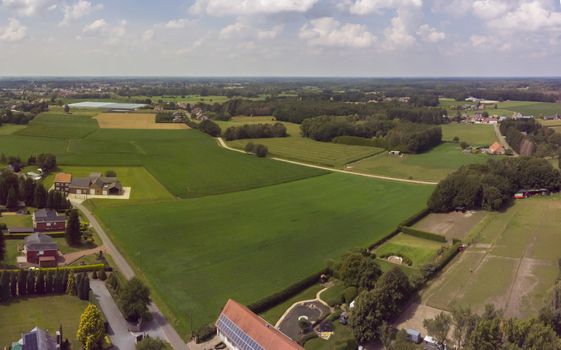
{"points": [[20, 283], [209, 127], [423, 115], [492, 185], [15, 188], [259, 150], [164, 117], [46, 161], [429, 270], [255, 131], [326, 128], [423, 234], [133, 297], [528, 137]]}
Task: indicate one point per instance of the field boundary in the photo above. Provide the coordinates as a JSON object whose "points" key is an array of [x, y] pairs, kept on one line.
{"points": [[379, 177]]}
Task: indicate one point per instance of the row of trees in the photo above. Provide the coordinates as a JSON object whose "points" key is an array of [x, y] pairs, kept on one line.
{"points": [[46, 161], [492, 185], [326, 128], [413, 138], [528, 137], [23, 283], [133, 297], [255, 131], [14, 188], [259, 150]]}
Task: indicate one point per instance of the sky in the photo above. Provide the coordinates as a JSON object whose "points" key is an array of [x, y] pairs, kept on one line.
{"points": [[364, 38]]}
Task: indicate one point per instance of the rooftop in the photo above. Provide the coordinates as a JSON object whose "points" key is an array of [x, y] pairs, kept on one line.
{"points": [[47, 215], [107, 105], [39, 241], [63, 177]]}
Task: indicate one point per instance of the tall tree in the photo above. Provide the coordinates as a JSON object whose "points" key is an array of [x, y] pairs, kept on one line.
{"points": [[134, 299], [464, 322], [439, 327], [22, 283], [71, 285], [30, 286], [91, 329], [40, 283], [14, 285], [2, 246], [12, 198], [39, 196], [73, 235], [49, 282], [5, 286]]}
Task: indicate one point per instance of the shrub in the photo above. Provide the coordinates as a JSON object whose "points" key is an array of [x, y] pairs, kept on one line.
{"points": [[349, 294], [415, 218], [205, 333], [306, 337], [255, 131], [209, 127], [464, 145], [423, 234], [249, 147], [261, 151]]}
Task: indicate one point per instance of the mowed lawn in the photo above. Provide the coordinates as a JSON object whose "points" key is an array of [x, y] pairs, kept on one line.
{"points": [[23, 314], [246, 245], [143, 185], [430, 166], [419, 250], [473, 134], [7, 129], [514, 264]]}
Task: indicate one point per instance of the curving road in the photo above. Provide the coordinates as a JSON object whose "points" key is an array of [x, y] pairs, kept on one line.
{"points": [[380, 177], [159, 325]]}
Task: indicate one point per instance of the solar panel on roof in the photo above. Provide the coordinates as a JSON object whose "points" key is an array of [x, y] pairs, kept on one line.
{"points": [[236, 335], [30, 341]]}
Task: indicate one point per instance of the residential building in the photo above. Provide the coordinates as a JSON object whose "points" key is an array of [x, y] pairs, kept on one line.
{"points": [[41, 250], [496, 149], [48, 220], [95, 184], [241, 329], [62, 182], [39, 339]]}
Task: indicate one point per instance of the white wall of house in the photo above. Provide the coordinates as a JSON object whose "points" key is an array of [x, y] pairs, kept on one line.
{"points": [[226, 341]]}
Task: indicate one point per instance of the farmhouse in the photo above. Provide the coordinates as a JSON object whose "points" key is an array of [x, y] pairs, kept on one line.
{"points": [[241, 329], [496, 149], [38, 339], [41, 249], [48, 220], [62, 182], [95, 184]]}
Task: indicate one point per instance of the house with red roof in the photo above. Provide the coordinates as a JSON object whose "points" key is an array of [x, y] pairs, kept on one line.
{"points": [[241, 329]]}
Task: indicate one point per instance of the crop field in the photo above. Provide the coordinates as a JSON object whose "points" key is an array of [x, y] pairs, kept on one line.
{"points": [[134, 121], [473, 134], [8, 129], [59, 125], [419, 250], [512, 263], [23, 314], [246, 245], [431, 166], [292, 129], [507, 108]]}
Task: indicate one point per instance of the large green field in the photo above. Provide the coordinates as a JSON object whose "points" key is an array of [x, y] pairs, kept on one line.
{"points": [[197, 253], [512, 263], [23, 314], [473, 134], [508, 108], [430, 166]]}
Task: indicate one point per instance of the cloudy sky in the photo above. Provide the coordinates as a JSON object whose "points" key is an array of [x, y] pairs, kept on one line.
{"points": [[281, 37]]}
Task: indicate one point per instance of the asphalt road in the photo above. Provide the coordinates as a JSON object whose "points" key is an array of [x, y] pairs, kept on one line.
{"points": [[159, 326]]}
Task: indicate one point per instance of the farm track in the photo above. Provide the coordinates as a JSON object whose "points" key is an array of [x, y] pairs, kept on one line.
{"points": [[169, 332], [380, 177]]}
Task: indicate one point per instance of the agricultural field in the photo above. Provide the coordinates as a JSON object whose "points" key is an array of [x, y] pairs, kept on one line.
{"points": [[23, 314], [8, 129], [473, 134], [454, 225], [298, 148], [134, 121], [508, 108], [431, 166], [197, 253], [56, 124], [511, 263], [420, 251]]}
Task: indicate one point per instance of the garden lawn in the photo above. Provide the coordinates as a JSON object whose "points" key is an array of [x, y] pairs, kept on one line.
{"points": [[419, 250], [473, 134], [274, 314], [8, 129], [197, 253], [430, 166], [16, 220], [23, 314], [342, 339]]}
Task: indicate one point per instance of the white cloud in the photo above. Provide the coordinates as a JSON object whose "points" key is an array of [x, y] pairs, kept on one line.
{"points": [[29, 7], [13, 32], [111, 33], [327, 31], [397, 35], [148, 35], [233, 29], [363, 7], [78, 10], [530, 16], [98, 26], [269, 34], [488, 9], [244, 30], [177, 23], [430, 34], [250, 7]]}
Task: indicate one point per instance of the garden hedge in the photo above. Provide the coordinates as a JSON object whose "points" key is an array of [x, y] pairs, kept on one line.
{"points": [[273, 300], [422, 234], [415, 218], [80, 268], [23, 235], [205, 333]]}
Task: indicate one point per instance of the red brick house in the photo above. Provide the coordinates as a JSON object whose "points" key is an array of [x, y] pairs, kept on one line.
{"points": [[45, 220], [62, 181], [41, 249]]}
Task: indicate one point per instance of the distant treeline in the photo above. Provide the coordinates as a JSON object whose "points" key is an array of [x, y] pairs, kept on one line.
{"points": [[255, 131], [501, 95], [326, 128], [528, 137], [26, 111], [492, 185], [413, 138]]}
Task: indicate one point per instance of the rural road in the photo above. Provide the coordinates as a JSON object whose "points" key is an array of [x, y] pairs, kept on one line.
{"points": [[159, 325], [380, 177], [502, 140]]}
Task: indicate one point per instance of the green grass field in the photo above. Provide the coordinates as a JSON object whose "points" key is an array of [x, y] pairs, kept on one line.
{"points": [[56, 124], [23, 314], [508, 108], [342, 339], [431, 166], [274, 314], [473, 134], [513, 265], [8, 129], [420, 251], [16, 220], [246, 245]]}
